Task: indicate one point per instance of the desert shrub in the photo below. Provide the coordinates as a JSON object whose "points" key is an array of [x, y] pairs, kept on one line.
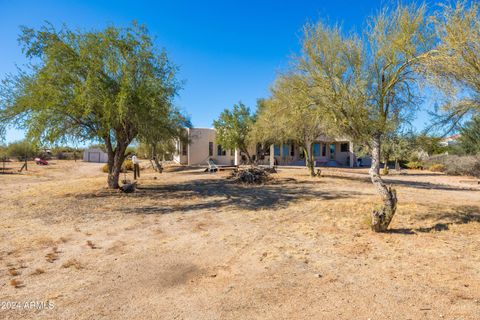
{"points": [[437, 167], [19, 149], [414, 165], [467, 165], [128, 165], [385, 170], [457, 165]]}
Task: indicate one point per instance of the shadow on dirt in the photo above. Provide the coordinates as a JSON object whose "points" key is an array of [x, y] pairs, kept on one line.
{"points": [[411, 184], [461, 215], [215, 194]]}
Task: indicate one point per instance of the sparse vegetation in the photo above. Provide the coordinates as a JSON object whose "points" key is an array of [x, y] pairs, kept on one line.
{"points": [[38, 271], [72, 263], [16, 283], [438, 167]]}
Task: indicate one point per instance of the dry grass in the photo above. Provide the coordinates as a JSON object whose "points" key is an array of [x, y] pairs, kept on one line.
{"points": [[191, 245], [14, 272], [51, 257], [73, 263], [37, 272], [16, 283]]}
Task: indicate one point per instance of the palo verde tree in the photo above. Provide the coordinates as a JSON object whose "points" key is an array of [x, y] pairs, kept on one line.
{"points": [[455, 66], [110, 86], [233, 128], [367, 83], [291, 114], [470, 136]]}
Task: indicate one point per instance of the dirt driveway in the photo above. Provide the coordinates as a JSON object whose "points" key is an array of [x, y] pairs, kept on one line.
{"points": [[191, 245]]}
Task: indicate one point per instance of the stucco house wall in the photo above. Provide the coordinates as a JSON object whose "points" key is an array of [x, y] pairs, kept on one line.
{"points": [[201, 147]]}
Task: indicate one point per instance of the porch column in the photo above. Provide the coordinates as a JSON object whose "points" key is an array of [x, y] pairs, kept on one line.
{"points": [[350, 149], [237, 157], [272, 155]]}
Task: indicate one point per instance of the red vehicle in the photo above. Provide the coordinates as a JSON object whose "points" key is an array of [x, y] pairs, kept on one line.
{"points": [[41, 162]]}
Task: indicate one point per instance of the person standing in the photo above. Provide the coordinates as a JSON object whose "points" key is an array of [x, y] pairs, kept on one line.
{"points": [[136, 167]]}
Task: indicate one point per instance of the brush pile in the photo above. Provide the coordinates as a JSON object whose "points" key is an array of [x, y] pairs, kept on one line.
{"points": [[128, 187], [252, 175]]}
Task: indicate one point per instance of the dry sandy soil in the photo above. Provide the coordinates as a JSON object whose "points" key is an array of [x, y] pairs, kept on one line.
{"points": [[192, 245]]}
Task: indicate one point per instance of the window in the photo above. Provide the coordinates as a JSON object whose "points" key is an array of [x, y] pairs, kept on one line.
{"points": [[220, 151], [324, 150], [276, 150], [316, 150], [184, 149], [210, 149], [344, 147], [285, 150], [292, 150], [332, 150]]}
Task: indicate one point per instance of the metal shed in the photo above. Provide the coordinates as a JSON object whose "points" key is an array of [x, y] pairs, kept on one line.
{"points": [[95, 155]]}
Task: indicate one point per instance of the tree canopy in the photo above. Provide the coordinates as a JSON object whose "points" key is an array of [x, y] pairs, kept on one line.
{"points": [[454, 68], [470, 136], [112, 86], [291, 114], [233, 128]]}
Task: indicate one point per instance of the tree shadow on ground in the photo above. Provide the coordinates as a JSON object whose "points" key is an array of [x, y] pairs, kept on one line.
{"points": [[460, 215], [411, 184], [216, 194]]}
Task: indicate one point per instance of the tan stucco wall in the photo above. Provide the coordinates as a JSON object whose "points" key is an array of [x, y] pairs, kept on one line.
{"points": [[198, 148]]}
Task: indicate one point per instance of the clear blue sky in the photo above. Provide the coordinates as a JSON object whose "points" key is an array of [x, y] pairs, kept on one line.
{"points": [[226, 50]]}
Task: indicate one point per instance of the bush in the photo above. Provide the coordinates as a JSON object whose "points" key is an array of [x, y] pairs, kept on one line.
{"points": [[438, 167], [468, 165], [457, 165], [414, 165], [385, 170], [128, 165], [19, 149]]}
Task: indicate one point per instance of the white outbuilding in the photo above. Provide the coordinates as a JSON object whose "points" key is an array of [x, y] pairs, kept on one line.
{"points": [[95, 155]]}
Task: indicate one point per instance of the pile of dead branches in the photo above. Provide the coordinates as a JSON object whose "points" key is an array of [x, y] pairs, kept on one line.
{"points": [[252, 175]]}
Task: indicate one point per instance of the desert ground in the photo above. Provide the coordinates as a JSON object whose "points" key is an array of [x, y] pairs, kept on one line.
{"points": [[194, 245]]}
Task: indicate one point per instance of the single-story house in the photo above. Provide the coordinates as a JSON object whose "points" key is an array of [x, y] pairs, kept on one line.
{"points": [[95, 155], [202, 146]]}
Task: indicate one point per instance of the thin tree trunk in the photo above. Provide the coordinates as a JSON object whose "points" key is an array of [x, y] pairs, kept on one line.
{"points": [[309, 159], [249, 158], [397, 165], [381, 218], [158, 165]]}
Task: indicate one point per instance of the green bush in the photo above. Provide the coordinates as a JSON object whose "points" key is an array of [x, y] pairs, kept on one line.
{"points": [[19, 149], [414, 165], [438, 167]]}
